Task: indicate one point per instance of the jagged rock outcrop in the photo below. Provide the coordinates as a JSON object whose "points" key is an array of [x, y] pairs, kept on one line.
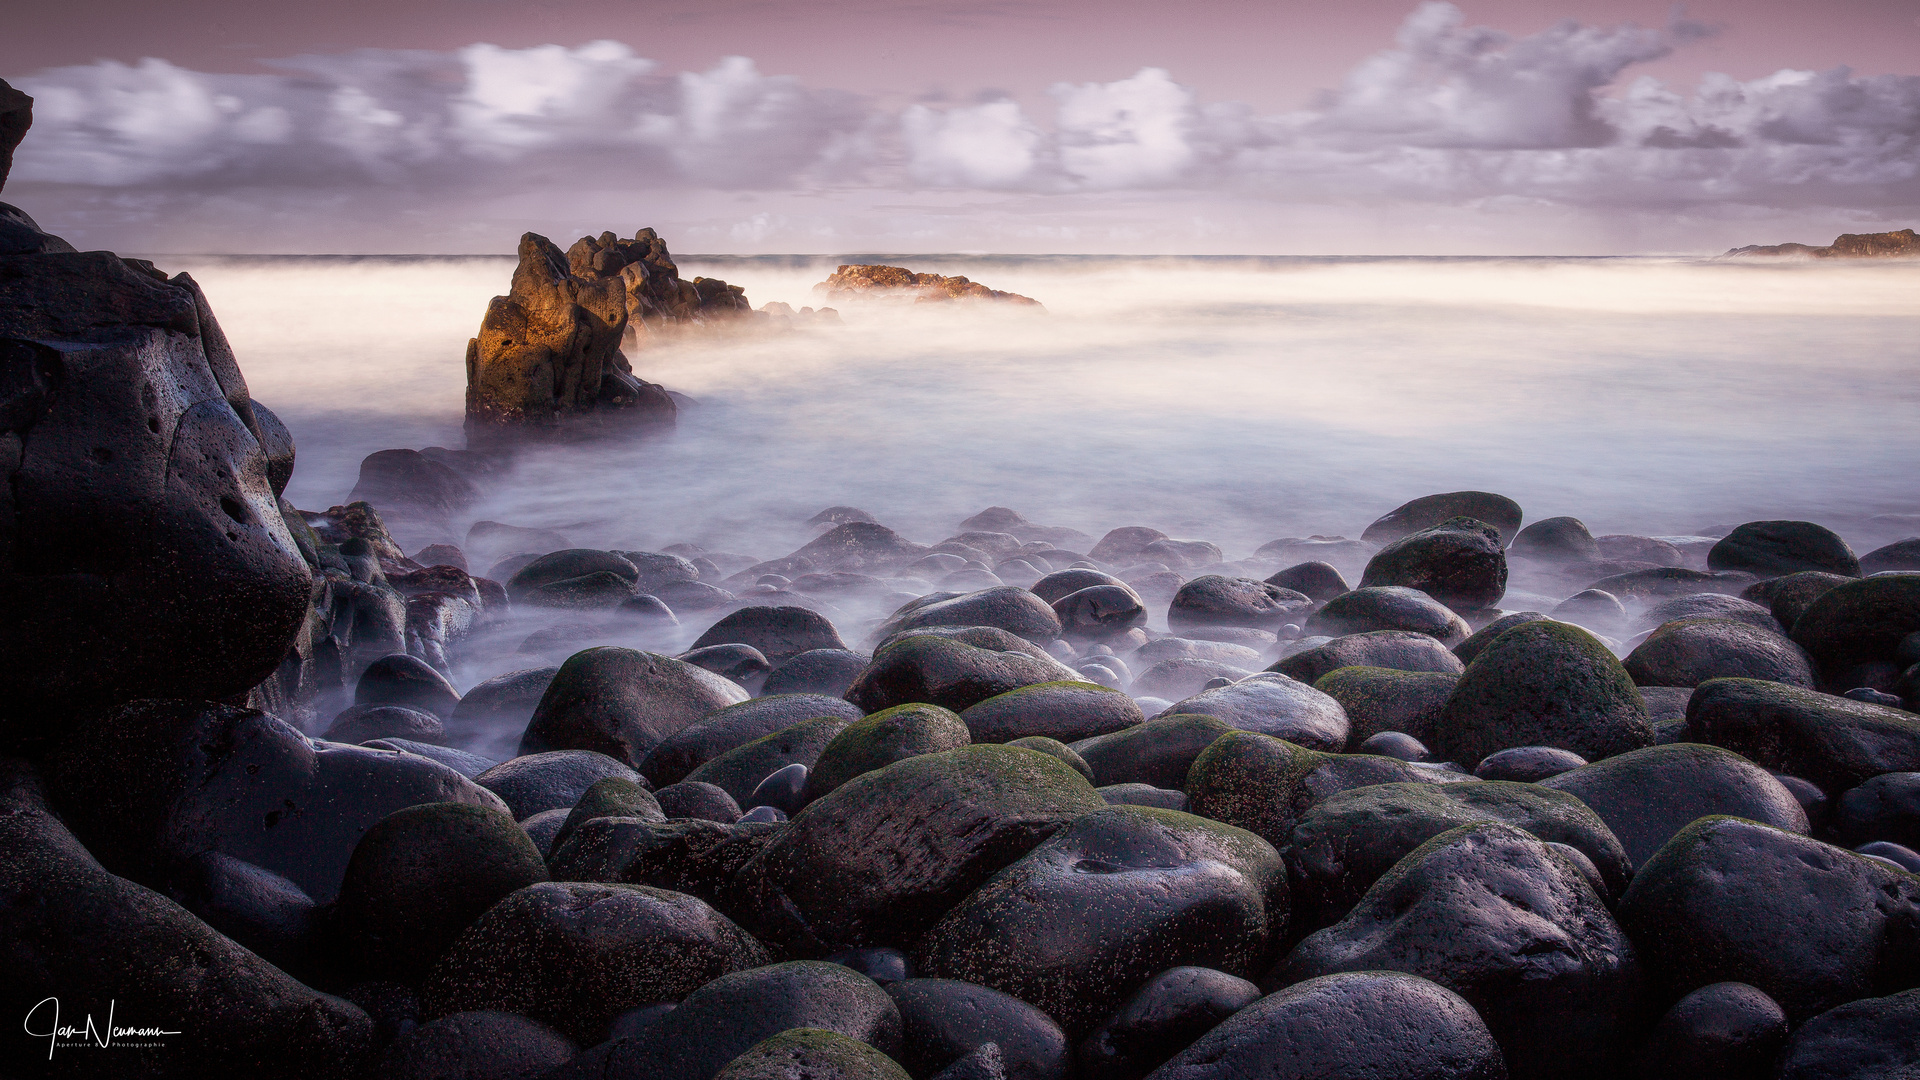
{"points": [[16, 116], [549, 352], [853, 282], [1903, 243]]}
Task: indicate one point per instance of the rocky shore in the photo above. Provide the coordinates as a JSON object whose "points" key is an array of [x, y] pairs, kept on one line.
{"points": [[1467, 797], [1902, 244]]}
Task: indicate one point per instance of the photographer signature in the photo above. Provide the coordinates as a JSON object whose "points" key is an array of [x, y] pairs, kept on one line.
{"points": [[86, 1033]]}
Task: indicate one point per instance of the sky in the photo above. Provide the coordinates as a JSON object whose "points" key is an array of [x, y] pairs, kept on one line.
{"points": [[747, 126]]}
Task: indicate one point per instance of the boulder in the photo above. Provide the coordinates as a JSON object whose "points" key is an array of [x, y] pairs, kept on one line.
{"points": [[741, 664], [1216, 600], [1543, 684], [1160, 1019], [1527, 764], [697, 799], [1688, 652], [1899, 555], [859, 547], [1859, 623], [612, 796], [1180, 677], [1158, 752], [570, 564], [475, 1045], [1726, 1029], [1556, 539], [1401, 650], [818, 671], [811, 1053], [408, 484], [1466, 650], [953, 670], [1429, 510], [1379, 699], [876, 741], [1495, 915], [1885, 808], [1122, 546], [1460, 562], [1358, 1025], [780, 633], [1007, 607], [506, 700], [77, 939], [554, 780], [1647, 796], [944, 1022], [1066, 711], [399, 679], [1835, 742], [1774, 548], [1060, 584], [575, 954], [1711, 606], [680, 753], [1388, 608], [740, 771], [1272, 704], [1874, 1039], [1811, 925], [153, 784], [688, 855], [622, 703], [1350, 839], [1100, 907], [364, 723], [1317, 581], [1100, 612], [1787, 598], [882, 857]]}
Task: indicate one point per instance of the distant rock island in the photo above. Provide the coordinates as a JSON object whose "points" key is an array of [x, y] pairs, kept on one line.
{"points": [[852, 282], [1884, 245]]}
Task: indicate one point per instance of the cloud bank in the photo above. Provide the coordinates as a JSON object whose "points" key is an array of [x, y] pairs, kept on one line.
{"points": [[1450, 115]]}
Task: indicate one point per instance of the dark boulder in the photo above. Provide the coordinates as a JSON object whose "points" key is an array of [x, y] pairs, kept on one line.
{"points": [[1100, 612], [1787, 598], [876, 741], [1527, 764], [953, 670], [1592, 608], [1358, 1026], [1498, 917], [734, 726], [1388, 608], [1875, 1039], [944, 1021], [1122, 546], [1379, 699], [811, 1053], [819, 671], [1886, 808], [1556, 539], [1724, 1031], [410, 484], [1429, 510], [613, 796], [364, 723], [507, 699], [1460, 562], [1008, 608], [740, 664], [1058, 750], [419, 878], [567, 565], [1160, 1019], [1063, 583], [1811, 925], [1899, 555], [697, 799], [399, 679], [555, 780], [1179, 677], [1543, 684], [467, 765], [1215, 600], [1067, 711], [740, 771], [883, 856], [1688, 652], [1666, 581], [1317, 581], [860, 547], [1158, 752], [1272, 704], [689, 855], [1647, 796], [1401, 650], [480, 1045], [1833, 741], [623, 703], [1466, 650], [1711, 606], [780, 633], [1094, 912], [1774, 548], [575, 954], [1859, 623]]}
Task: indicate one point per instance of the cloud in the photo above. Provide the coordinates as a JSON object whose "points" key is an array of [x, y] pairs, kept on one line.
{"points": [[1450, 114]]}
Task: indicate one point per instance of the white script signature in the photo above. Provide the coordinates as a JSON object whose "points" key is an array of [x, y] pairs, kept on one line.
{"points": [[56, 1031]]}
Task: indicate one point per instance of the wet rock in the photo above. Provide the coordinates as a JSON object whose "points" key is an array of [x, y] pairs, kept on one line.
{"points": [[1832, 741], [883, 856], [1318, 581], [1160, 1019], [740, 771], [688, 855], [1788, 597], [697, 799], [1688, 652], [1543, 684], [1272, 704], [1493, 914], [1774, 548], [419, 878], [1215, 600], [567, 565], [1066, 711], [613, 796], [1104, 904], [1364, 1024], [780, 633], [1713, 904], [742, 664], [1527, 764], [256, 908], [1058, 750], [622, 703], [1875, 1039], [1008, 608], [859, 547], [543, 827], [784, 789], [944, 1020], [1899, 555], [575, 954], [1859, 623], [680, 753], [407, 681], [1466, 650], [482, 1045], [1122, 546], [877, 741], [72, 931], [1263, 785], [819, 671], [1423, 513], [1395, 744], [1592, 608], [1379, 699], [363, 723], [1060, 584], [1668, 581], [1726, 1030], [1158, 752], [467, 765], [1183, 676], [811, 1054], [1388, 608], [1100, 612], [730, 1015], [1886, 808], [1460, 562], [1711, 606], [953, 670], [1350, 839], [1557, 539], [413, 485], [1144, 795], [505, 699], [155, 783], [1647, 796], [553, 780], [1401, 650]]}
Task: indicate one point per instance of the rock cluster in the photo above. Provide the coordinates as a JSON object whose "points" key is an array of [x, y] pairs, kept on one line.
{"points": [[1902, 243], [852, 282]]}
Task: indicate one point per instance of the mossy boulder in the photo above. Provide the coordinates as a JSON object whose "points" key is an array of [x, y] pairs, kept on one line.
{"points": [[615, 796], [1388, 607], [740, 770], [1543, 683], [1158, 752], [692, 746], [1005, 607], [876, 741], [882, 857], [1688, 652], [1861, 622], [1773, 548], [687, 855], [1067, 711], [1058, 750], [1835, 742], [622, 703], [1401, 650], [952, 670], [1378, 699], [1788, 597], [1273, 704], [1460, 562], [811, 1054]]}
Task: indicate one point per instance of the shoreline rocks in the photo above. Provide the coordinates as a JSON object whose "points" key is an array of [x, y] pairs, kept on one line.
{"points": [[1900, 244], [850, 282]]}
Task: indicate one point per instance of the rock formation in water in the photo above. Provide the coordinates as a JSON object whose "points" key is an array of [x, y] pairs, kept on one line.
{"points": [[852, 282], [1903, 244], [549, 352]]}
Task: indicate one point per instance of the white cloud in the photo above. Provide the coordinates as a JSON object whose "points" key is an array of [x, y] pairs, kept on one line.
{"points": [[1131, 133], [991, 145]]}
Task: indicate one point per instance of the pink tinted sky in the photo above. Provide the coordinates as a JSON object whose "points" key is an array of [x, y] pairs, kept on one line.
{"points": [[826, 147]]}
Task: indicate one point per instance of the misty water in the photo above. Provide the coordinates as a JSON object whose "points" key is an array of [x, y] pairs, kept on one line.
{"points": [[1233, 400]]}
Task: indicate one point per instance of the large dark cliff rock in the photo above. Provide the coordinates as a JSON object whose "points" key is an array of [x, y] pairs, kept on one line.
{"points": [[1903, 243]]}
